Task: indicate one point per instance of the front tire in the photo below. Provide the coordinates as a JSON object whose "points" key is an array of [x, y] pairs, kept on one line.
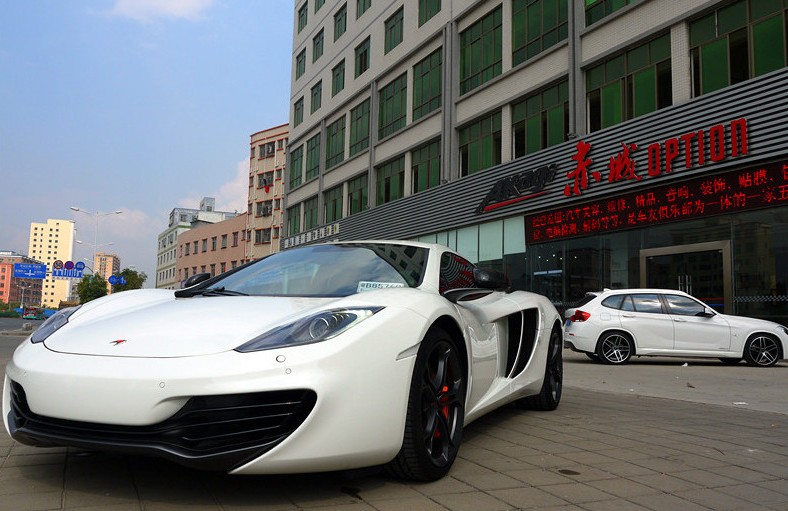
{"points": [[550, 395], [762, 350], [435, 413], [615, 348]]}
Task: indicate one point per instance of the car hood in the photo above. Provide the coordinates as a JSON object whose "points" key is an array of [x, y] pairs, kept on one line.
{"points": [[746, 323], [153, 323]]}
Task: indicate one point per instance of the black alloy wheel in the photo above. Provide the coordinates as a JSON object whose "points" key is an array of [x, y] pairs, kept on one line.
{"points": [[550, 394], [436, 411], [762, 350]]}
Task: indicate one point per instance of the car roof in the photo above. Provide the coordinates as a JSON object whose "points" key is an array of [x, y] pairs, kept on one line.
{"points": [[644, 290]]}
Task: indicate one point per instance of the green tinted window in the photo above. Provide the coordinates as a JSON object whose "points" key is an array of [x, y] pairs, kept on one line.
{"points": [[313, 157], [317, 46], [296, 165], [393, 106], [428, 9], [333, 204], [317, 97], [357, 194], [540, 120], [428, 84], [481, 51], [300, 63], [294, 220], [335, 142], [480, 144], [394, 30], [598, 9], [425, 166], [310, 213], [536, 26], [359, 128], [298, 112], [338, 78], [340, 22], [390, 180]]}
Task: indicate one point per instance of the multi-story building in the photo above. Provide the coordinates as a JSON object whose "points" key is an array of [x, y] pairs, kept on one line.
{"points": [[18, 290], [51, 242], [181, 220], [576, 145], [106, 265], [268, 153], [211, 247]]}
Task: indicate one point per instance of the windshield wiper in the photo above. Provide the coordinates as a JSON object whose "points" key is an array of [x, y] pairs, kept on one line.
{"points": [[213, 291]]}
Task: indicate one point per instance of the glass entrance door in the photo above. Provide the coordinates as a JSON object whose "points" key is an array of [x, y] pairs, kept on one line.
{"points": [[702, 270]]}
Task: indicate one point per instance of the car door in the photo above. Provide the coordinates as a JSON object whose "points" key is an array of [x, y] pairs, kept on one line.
{"points": [[643, 315], [692, 329]]}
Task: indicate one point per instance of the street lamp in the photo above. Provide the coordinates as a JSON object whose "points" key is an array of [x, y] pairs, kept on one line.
{"points": [[25, 286], [96, 216]]}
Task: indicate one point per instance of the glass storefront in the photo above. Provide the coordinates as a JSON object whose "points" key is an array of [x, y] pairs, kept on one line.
{"points": [[738, 264]]}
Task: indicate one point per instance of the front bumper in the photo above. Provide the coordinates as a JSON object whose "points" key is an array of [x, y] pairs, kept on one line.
{"points": [[329, 406]]}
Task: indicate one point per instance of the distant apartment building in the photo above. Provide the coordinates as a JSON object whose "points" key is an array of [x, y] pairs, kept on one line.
{"points": [[50, 242], [268, 154], [106, 265], [211, 248], [181, 220], [18, 290]]}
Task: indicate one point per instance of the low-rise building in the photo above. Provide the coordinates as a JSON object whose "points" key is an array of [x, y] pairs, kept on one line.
{"points": [[211, 248], [18, 290]]}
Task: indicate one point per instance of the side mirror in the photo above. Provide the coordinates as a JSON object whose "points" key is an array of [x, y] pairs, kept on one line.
{"points": [[196, 279], [490, 279], [707, 313]]}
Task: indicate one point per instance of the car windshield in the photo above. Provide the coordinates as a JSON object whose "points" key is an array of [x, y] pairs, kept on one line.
{"points": [[329, 270]]}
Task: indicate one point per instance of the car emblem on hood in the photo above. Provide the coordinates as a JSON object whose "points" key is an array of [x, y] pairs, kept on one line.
{"points": [[119, 341]]}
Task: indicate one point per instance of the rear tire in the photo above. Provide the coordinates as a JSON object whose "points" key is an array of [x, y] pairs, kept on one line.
{"points": [[550, 395], [435, 413], [762, 350], [615, 348]]}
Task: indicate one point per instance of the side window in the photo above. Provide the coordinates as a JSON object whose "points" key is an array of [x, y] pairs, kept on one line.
{"points": [[626, 304], [647, 303], [456, 272], [614, 302], [684, 306]]}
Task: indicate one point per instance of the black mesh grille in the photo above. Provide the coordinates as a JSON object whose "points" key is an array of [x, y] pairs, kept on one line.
{"points": [[209, 431]]}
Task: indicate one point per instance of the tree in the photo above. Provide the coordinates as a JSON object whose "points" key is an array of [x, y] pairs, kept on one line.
{"points": [[91, 287], [134, 280]]}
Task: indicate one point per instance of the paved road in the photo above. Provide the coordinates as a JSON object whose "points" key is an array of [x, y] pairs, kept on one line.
{"points": [[609, 446]]}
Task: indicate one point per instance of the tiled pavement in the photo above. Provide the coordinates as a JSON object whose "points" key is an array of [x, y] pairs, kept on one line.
{"points": [[598, 451]]}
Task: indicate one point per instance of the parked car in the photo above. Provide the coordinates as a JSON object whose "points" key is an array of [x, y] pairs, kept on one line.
{"points": [[33, 313], [611, 326], [322, 357]]}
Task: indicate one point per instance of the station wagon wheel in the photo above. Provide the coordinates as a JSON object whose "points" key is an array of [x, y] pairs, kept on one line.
{"points": [[436, 411], [762, 350], [615, 348]]}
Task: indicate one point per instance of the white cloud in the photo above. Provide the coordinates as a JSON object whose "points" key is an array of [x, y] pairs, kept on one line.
{"points": [[231, 196], [151, 10]]}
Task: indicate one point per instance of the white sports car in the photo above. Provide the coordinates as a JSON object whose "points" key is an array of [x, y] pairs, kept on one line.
{"points": [[323, 357]]}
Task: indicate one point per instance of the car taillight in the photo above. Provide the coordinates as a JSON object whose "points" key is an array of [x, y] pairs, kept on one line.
{"points": [[580, 316]]}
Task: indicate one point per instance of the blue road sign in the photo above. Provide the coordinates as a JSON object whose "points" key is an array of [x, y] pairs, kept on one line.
{"points": [[62, 273], [117, 279], [30, 271], [112, 279]]}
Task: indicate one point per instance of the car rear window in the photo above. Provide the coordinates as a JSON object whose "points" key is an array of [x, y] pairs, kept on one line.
{"points": [[613, 302], [587, 298]]}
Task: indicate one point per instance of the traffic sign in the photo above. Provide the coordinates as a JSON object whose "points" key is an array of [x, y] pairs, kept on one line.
{"points": [[30, 271]]}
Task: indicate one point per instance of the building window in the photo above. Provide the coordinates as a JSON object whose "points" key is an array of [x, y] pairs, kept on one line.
{"points": [[628, 85], [298, 112], [294, 220], [235, 239], [428, 84], [335, 142], [394, 29], [317, 46], [259, 209], [313, 157], [187, 248], [302, 17], [598, 9], [359, 128], [310, 213], [317, 97], [296, 164], [393, 106], [338, 78], [425, 166], [205, 245], [361, 7], [214, 243], [390, 180], [362, 57], [428, 9], [536, 26], [480, 51], [333, 204], [319, 4], [357, 194], [224, 241], [480, 145], [737, 42], [540, 120], [300, 63], [340, 22], [262, 236]]}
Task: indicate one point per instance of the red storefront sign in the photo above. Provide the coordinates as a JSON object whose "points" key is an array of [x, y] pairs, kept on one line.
{"points": [[730, 192]]}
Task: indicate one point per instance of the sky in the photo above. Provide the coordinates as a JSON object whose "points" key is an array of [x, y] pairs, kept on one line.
{"points": [[139, 106]]}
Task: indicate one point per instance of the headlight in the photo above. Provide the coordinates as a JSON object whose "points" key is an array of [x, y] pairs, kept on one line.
{"points": [[311, 329], [51, 325]]}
